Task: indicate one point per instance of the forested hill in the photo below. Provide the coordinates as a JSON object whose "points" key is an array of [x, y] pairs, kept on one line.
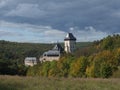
{"points": [[18, 51], [13, 50], [109, 43], [96, 59], [99, 60], [12, 54]]}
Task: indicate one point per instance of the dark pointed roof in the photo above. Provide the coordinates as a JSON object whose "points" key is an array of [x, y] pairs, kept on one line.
{"points": [[70, 36], [58, 47]]}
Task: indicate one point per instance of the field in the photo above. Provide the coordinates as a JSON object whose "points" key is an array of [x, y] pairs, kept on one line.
{"points": [[40, 83]]}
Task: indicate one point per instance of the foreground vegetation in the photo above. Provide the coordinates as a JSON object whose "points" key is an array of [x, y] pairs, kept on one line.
{"points": [[42, 83], [12, 55]]}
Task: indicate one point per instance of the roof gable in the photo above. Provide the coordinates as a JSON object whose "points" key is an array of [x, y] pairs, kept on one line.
{"points": [[58, 47], [70, 36]]}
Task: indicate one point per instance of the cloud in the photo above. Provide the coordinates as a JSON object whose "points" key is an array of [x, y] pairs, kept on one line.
{"points": [[3, 3], [33, 33], [116, 14], [48, 17], [5, 33], [28, 32], [88, 34], [55, 34], [27, 10]]}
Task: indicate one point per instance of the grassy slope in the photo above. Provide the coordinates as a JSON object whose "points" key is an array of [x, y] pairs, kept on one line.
{"points": [[37, 83]]}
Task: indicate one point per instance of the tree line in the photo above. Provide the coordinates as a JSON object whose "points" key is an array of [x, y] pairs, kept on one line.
{"points": [[100, 60], [12, 55]]}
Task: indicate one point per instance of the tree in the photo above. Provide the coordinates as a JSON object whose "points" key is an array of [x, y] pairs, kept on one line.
{"points": [[45, 68], [53, 69], [107, 43], [105, 70], [78, 67]]}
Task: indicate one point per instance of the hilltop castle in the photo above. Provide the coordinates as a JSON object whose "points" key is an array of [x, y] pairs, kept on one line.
{"points": [[55, 53]]}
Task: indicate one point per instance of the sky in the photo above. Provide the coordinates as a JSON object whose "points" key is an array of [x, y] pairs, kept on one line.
{"points": [[48, 21]]}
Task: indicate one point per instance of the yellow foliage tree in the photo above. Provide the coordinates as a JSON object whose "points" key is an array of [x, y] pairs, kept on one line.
{"points": [[78, 67]]}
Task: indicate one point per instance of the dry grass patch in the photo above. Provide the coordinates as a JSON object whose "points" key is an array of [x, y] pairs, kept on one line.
{"points": [[42, 83]]}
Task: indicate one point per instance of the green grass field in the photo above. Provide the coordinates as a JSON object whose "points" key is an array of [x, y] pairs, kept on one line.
{"points": [[39, 83]]}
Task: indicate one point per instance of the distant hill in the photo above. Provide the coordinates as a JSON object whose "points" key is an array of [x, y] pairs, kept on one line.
{"points": [[14, 50], [83, 44], [12, 55], [18, 51]]}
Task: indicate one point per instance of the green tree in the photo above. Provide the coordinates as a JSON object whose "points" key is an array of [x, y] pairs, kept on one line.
{"points": [[53, 69], [78, 67], [105, 70], [45, 68]]}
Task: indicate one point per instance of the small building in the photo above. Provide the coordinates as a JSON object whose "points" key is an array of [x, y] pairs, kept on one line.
{"points": [[30, 61], [69, 43], [53, 54]]}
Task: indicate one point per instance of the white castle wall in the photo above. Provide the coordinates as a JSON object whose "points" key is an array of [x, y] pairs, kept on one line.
{"points": [[69, 46]]}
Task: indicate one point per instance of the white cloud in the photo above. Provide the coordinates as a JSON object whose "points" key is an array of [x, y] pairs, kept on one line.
{"points": [[33, 33], [88, 34], [55, 35], [27, 10], [30, 33], [54, 32], [63, 13], [8, 34], [25, 26], [3, 3], [5, 33], [39, 9]]}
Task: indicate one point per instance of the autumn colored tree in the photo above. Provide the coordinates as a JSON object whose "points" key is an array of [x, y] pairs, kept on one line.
{"points": [[64, 65], [78, 67], [53, 71]]}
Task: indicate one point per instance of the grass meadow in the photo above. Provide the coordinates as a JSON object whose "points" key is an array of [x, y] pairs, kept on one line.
{"points": [[42, 83]]}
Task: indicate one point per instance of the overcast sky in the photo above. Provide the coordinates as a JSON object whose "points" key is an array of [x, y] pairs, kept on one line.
{"points": [[45, 21]]}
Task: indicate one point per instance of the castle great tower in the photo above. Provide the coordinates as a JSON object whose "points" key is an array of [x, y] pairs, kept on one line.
{"points": [[69, 43]]}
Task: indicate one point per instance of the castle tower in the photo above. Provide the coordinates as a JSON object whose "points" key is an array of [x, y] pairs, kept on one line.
{"points": [[69, 43]]}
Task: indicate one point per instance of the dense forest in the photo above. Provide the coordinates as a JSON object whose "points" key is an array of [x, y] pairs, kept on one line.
{"points": [[97, 59], [12, 55]]}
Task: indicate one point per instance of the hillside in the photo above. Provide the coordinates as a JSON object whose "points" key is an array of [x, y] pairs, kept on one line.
{"points": [[12, 54], [14, 50], [98, 60]]}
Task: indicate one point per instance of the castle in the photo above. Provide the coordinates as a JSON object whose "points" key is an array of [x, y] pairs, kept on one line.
{"points": [[55, 53]]}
